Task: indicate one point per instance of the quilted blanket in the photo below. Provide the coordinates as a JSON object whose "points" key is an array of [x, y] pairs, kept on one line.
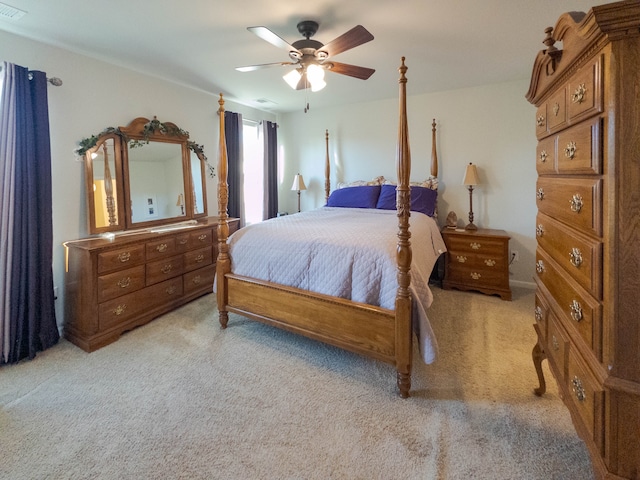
{"points": [[343, 252]]}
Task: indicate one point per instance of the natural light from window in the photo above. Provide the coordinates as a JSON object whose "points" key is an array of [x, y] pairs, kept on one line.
{"points": [[253, 172]]}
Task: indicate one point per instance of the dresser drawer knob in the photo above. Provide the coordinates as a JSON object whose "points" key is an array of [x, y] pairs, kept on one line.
{"points": [[489, 262], [171, 290], [199, 258], [124, 257], [554, 343], [202, 237], [543, 156], [539, 230], [162, 247], [576, 203], [578, 389], [576, 310], [119, 310], [124, 282], [540, 121], [570, 150], [540, 266], [475, 245], [461, 258], [579, 94], [538, 314], [196, 280], [475, 275], [183, 241], [166, 268], [575, 257], [540, 193]]}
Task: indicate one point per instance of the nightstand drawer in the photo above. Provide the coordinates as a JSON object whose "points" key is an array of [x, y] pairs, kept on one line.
{"points": [[482, 277]]}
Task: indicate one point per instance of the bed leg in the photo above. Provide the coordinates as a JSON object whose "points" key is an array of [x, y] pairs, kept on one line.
{"points": [[404, 384], [224, 319], [539, 355]]}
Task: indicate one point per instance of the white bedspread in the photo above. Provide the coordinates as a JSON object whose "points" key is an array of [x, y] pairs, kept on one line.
{"points": [[343, 252]]}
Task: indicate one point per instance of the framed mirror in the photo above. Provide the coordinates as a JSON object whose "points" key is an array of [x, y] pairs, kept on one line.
{"points": [[145, 174]]}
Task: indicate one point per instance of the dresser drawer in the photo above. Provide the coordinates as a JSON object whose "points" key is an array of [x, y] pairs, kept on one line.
{"points": [[120, 258], [199, 279], [575, 307], [546, 156], [120, 283], [575, 201], [164, 247], [557, 347], [585, 92], [579, 149], [587, 397], [557, 111], [579, 255], [198, 258], [164, 269], [197, 239]]}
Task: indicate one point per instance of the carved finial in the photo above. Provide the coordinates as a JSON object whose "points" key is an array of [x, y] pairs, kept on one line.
{"points": [[403, 71], [549, 41]]}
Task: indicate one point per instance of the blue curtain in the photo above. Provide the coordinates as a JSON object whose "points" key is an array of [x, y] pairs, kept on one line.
{"points": [[28, 321], [270, 136], [235, 177]]}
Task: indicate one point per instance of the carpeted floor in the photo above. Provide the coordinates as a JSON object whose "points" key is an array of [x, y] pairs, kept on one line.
{"points": [[179, 398]]}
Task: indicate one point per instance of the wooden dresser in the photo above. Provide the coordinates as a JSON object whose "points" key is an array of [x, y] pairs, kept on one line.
{"points": [[587, 312], [115, 285], [477, 260]]}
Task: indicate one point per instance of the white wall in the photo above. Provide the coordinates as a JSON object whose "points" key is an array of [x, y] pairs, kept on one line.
{"points": [[491, 126], [96, 95]]}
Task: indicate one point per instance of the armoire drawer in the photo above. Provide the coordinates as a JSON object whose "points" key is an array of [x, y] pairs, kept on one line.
{"points": [[586, 395], [579, 149], [579, 255], [546, 156], [575, 307], [585, 92], [557, 346], [574, 201]]}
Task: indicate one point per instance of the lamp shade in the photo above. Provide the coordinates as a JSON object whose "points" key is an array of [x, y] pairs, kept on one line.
{"points": [[298, 183], [471, 175]]}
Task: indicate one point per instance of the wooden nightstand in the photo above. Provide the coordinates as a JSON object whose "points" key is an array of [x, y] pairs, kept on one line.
{"points": [[477, 260]]}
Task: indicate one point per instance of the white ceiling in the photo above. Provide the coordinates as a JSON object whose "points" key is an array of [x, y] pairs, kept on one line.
{"points": [[448, 44]]}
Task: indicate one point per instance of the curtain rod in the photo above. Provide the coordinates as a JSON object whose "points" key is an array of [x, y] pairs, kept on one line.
{"points": [[55, 81]]}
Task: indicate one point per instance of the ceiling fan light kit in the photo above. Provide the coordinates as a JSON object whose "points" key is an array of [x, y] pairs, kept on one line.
{"points": [[310, 56]]}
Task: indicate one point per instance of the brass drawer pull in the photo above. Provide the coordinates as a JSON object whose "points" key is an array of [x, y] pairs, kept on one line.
{"points": [[166, 268], [540, 266], [199, 258], [489, 262], [554, 343], [576, 310], [540, 121], [556, 108], [576, 203], [540, 193], [120, 309], [183, 241], [202, 237], [570, 150], [579, 94], [475, 275], [124, 257], [124, 282], [578, 389], [196, 280], [575, 257], [475, 246], [162, 247], [171, 290], [538, 314], [461, 258], [543, 156], [539, 230]]}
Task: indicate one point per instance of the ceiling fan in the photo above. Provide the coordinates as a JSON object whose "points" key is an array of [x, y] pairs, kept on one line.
{"points": [[312, 58]]}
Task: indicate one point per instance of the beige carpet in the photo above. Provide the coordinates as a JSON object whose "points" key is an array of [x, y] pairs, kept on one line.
{"points": [[179, 398]]}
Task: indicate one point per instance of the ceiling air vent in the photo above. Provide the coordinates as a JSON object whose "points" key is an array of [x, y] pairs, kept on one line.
{"points": [[7, 12]]}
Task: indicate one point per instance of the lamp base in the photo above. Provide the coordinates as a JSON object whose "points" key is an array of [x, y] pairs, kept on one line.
{"points": [[471, 226]]}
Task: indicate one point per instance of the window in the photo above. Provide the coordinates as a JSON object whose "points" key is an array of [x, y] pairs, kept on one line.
{"points": [[253, 172]]}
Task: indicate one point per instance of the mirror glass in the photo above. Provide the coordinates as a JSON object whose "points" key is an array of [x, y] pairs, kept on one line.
{"points": [[197, 180], [156, 181], [105, 196]]}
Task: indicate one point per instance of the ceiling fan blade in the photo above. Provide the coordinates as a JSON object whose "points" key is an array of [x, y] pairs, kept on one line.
{"points": [[354, 37], [352, 70], [251, 68], [266, 34]]}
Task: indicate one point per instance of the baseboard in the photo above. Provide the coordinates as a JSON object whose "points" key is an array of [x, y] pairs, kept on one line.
{"points": [[521, 284]]}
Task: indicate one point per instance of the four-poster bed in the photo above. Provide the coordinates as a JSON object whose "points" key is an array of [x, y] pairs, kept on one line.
{"points": [[380, 327]]}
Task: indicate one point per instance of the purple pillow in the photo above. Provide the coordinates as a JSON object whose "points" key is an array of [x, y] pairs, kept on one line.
{"points": [[355, 197], [422, 199]]}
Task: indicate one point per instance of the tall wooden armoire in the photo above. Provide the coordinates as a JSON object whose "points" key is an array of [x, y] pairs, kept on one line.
{"points": [[586, 87]]}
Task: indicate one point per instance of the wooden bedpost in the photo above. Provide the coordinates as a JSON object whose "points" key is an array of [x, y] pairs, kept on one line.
{"points": [[223, 265], [434, 153], [327, 169], [404, 334]]}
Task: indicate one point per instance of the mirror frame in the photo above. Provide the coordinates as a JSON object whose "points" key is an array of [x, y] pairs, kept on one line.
{"points": [[141, 130]]}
